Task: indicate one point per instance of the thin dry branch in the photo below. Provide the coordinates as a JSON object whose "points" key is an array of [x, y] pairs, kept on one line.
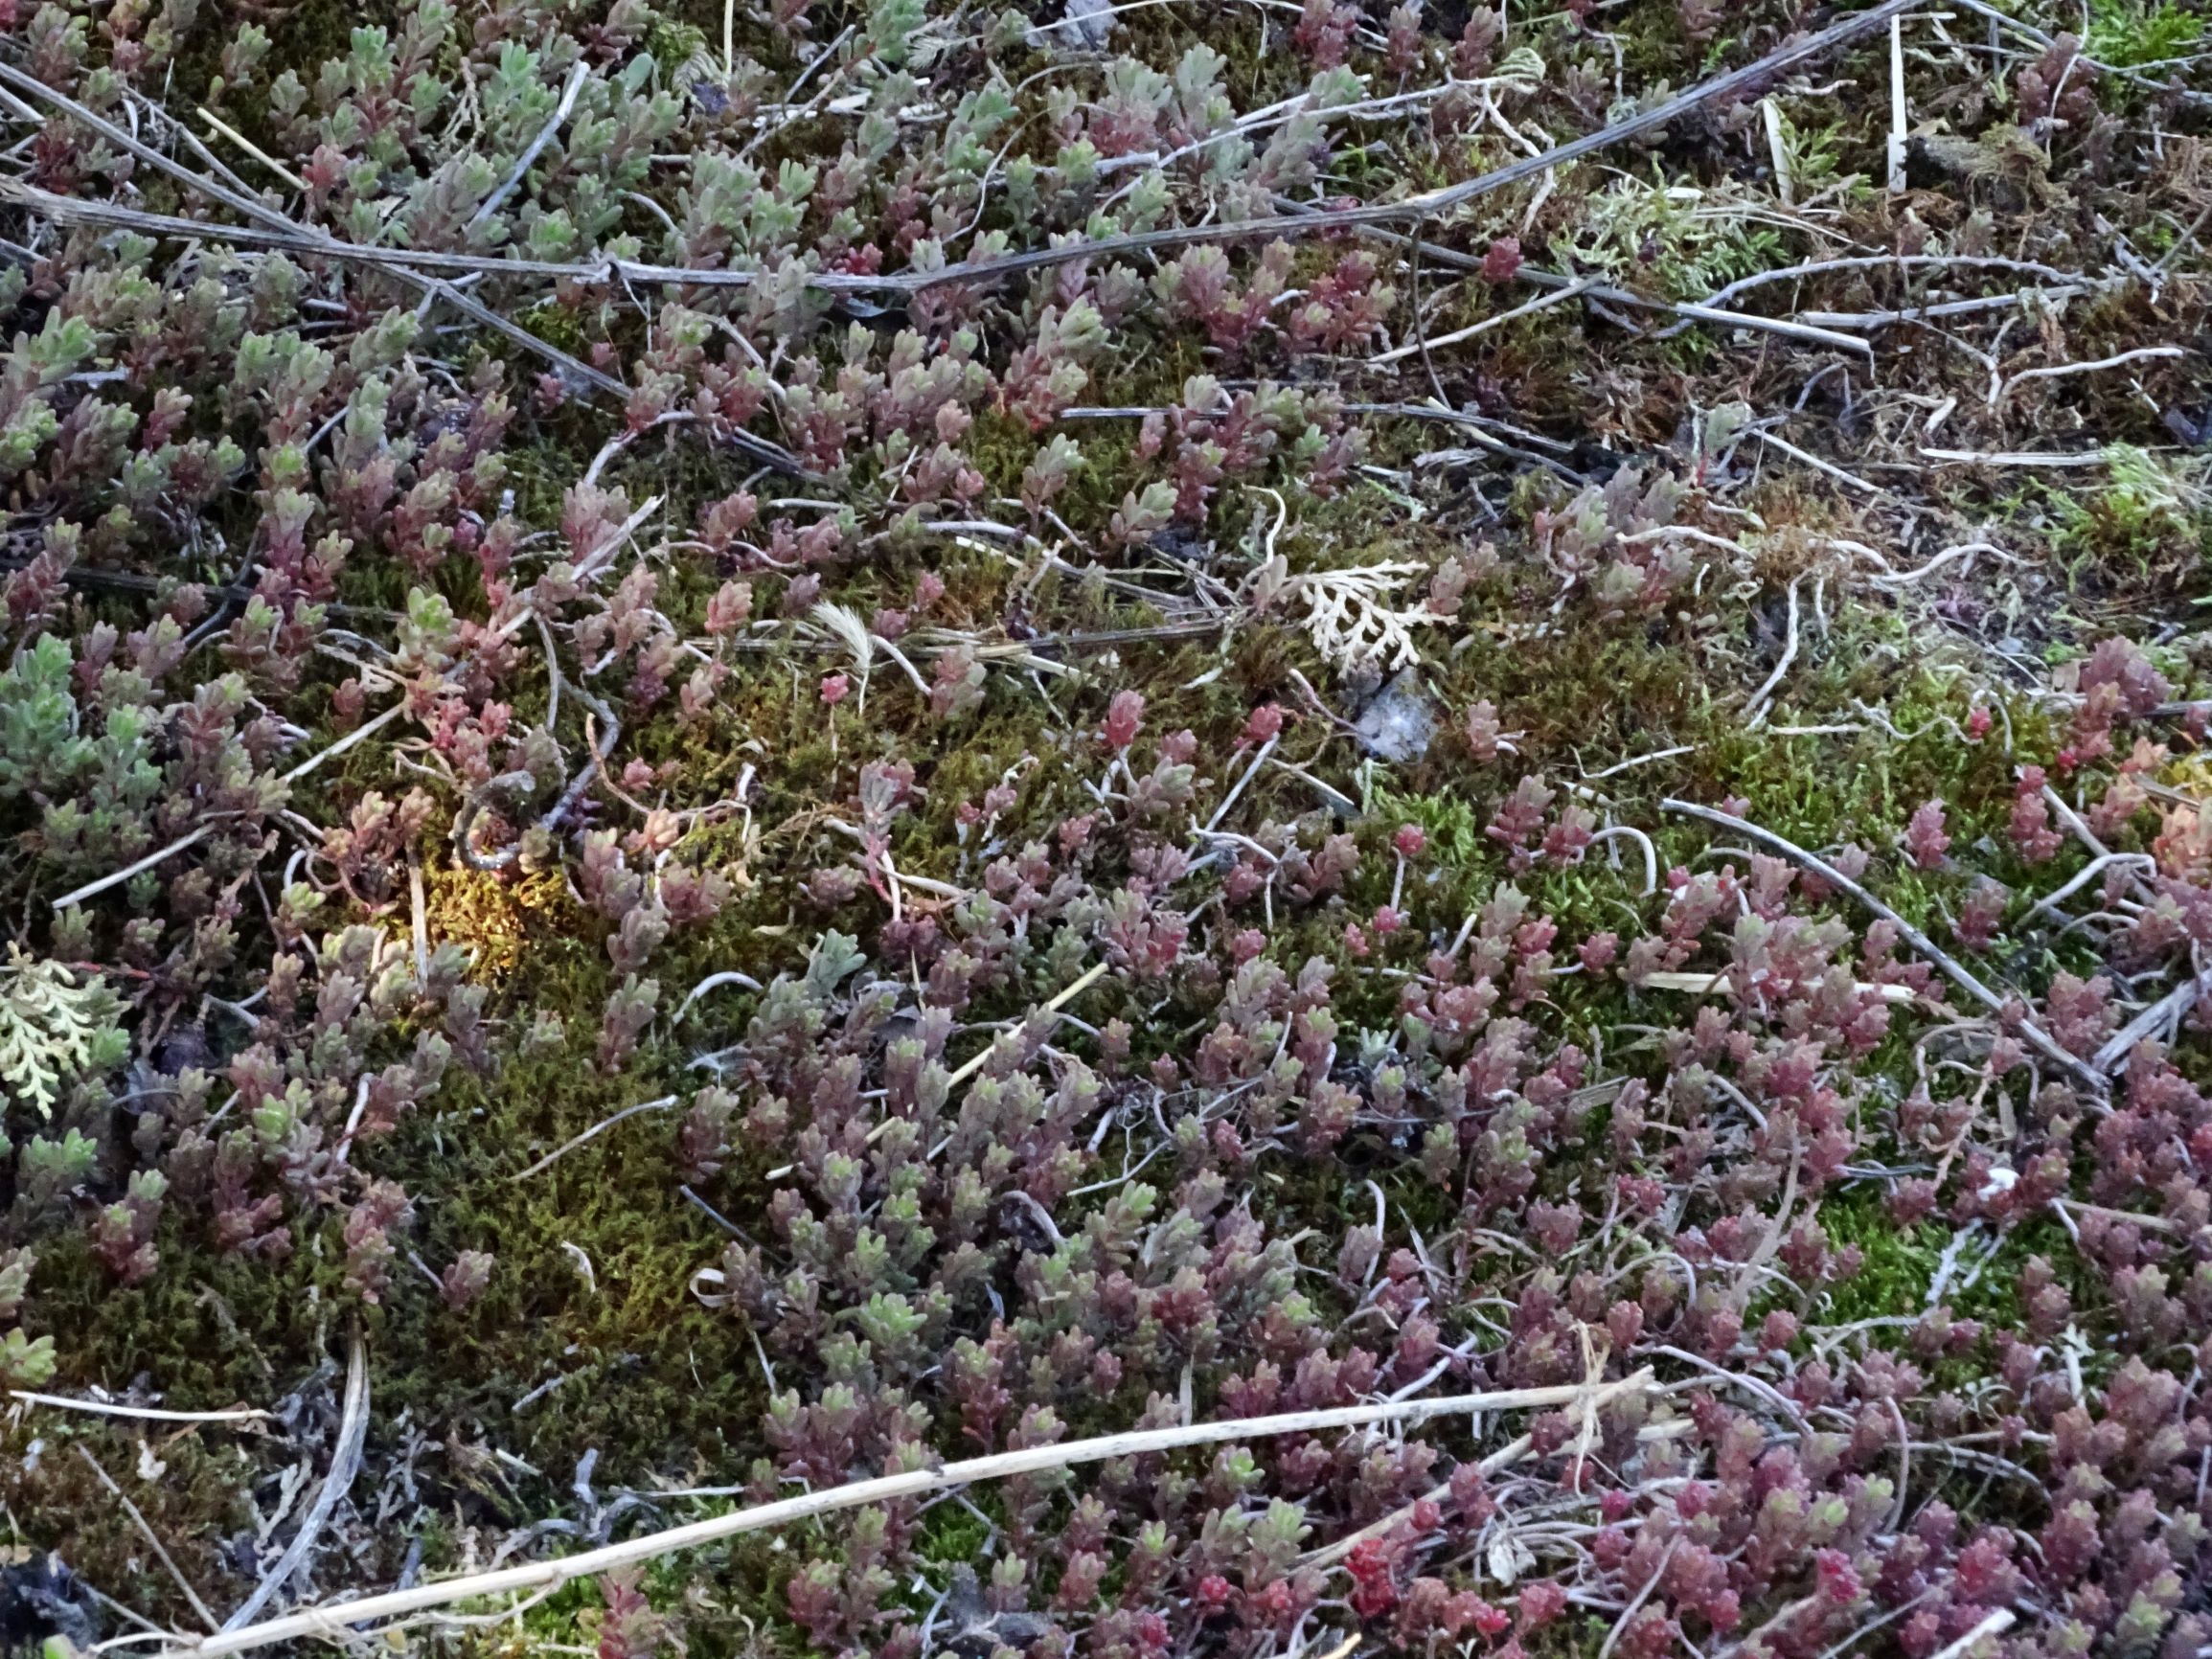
{"points": [[659, 1104], [1756, 710], [101, 884], [193, 837], [577, 77], [2061, 369], [1527, 307], [1954, 969], [313, 239], [137, 1413], [1701, 984], [2186, 93], [1995, 1624], [1690, 311], [2166, 1014], [360, 733], [1504, 1458], [152, 1540], [1946, 308], [1817, 463], [1434, 204], [1642, 1595], [217, 124], [2019, 458], [1898, 125], [335, 1621], [1430, 204], [1899, 263]]}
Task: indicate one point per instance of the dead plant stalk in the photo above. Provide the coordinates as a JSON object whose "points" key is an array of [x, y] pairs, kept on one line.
{"points": [[335, 1621]]}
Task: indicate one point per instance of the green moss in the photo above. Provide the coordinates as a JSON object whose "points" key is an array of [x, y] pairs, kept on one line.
{"points": [[2128, 33], [674, 44], [1899, 1264], [2150, 524], [954, 1534]]}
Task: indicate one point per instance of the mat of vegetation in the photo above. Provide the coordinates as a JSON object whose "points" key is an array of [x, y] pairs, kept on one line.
{"points": [[1365, 828]]}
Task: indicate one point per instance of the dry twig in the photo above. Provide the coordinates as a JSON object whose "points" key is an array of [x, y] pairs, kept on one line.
{"points": [[139, 1413], [1431, 204], [337, 1620]]}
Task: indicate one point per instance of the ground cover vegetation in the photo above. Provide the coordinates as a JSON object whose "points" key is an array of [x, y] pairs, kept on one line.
{"points": [[753, 746]]}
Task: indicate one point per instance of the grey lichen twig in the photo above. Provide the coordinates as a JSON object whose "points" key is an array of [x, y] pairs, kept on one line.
{"points": [[1954, 969], [345, 1465], [336, 1620], [1756, 712]]}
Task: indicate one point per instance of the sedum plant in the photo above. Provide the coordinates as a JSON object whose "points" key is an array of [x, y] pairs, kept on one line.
{"points": [[690, 726]]}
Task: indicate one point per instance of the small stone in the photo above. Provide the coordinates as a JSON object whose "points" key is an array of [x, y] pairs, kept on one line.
{"points": [[1085, 24], [1401, 722]]}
